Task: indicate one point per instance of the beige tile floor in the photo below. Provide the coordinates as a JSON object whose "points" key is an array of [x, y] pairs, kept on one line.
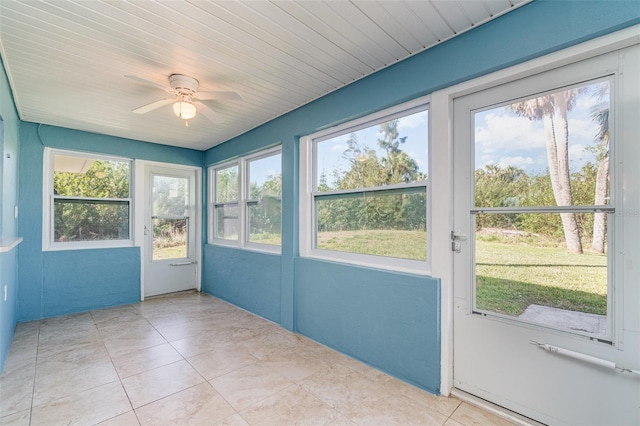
{"points": [[192, 359]]}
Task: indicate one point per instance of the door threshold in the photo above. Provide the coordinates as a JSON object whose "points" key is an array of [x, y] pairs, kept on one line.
{"points": [[173, 293], [499, 411]]}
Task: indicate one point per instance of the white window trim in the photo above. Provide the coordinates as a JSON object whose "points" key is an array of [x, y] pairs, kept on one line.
{"points": [[47, 217], [243, 191], [307, 227]]}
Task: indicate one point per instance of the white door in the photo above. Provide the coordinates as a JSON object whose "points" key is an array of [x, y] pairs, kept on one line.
{"points": [[171, 223], [543, 167]]}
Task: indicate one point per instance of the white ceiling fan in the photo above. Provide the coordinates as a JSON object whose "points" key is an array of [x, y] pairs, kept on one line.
{"points": [[186, 100]]}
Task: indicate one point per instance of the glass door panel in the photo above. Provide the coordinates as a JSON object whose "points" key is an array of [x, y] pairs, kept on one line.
{"points": [[170, 217], [533, 278], [541, 208]]}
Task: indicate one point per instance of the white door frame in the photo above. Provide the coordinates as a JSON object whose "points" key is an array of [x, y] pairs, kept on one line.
{"points": [[140, 212], [442, 170]]}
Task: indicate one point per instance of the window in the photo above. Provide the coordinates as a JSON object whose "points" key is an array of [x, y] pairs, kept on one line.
{"points": [[88, 200], [246, 201], [364, 186], [226, 210], [264, 199]]}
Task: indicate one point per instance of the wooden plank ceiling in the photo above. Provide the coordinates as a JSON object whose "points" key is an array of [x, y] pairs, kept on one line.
{"points": [[67, 60]]}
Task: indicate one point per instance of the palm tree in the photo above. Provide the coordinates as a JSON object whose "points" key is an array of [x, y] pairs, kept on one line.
{"points": [[552, 110], [601, 116]]}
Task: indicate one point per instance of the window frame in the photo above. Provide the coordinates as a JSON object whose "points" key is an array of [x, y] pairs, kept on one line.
{"points": [[214, 203], [48, 231], [309, 195], [242, 202]]}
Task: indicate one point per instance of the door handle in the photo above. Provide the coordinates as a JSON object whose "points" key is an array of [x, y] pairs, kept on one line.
{"points": [[456, 236], [184, 263]]}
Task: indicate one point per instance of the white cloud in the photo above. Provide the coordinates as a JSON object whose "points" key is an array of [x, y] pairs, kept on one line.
{"points": [[587, 100], [413, 121], [582, 130], [499, 130], [519, 162]]}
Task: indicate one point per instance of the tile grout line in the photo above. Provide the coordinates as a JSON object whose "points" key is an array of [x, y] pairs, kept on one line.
{"points": [[184, 358], [115, 369], [35, 372]]}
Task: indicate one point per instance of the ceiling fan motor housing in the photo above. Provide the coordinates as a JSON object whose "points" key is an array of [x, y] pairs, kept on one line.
{"points": [[183, 84]]}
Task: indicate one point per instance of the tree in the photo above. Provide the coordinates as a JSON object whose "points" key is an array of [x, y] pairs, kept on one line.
{"points": [[371, 168], [85, 209], [552, 110], [601, 116], [265, 217], [400, 167], [498, 186]]}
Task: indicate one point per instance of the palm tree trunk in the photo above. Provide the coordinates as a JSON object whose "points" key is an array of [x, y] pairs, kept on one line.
{"points": [[599, 219], [557, 134]]}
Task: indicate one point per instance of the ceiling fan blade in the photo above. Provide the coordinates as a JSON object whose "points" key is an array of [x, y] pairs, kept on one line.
{"points": [[210, 114], [149, 82], [153, 105], [218, 96]]}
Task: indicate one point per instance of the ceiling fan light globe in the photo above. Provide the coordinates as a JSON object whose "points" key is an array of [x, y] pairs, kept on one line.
{"points": [[184, 110]]}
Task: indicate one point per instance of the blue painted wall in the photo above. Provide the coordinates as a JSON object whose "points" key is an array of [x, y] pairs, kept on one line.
{"points": [[8, 224], [8, 308], [365, 312], [396, 317], [81, 280], [256, 279], [60, 282]]}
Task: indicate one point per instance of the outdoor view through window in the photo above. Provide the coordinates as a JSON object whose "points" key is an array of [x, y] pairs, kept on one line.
{"points": [[91, 199], [170, 218], [542, 208], [255, 211], [370, 189], [264, 200]]}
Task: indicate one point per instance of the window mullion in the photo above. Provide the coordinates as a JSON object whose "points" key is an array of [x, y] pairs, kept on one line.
{"points": [[242, 194]]}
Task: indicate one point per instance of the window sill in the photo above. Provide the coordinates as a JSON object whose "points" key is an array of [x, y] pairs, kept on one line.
{"points": [[266, 249], [89, 245], [8, 244], [389, 264]]}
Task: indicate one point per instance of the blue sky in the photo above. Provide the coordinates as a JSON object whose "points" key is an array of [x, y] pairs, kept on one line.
{"points": [[414, 127], [264, 168], [502, 138]]}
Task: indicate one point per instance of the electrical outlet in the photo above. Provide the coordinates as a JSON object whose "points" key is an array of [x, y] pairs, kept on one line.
{"points": [[5, 292]]}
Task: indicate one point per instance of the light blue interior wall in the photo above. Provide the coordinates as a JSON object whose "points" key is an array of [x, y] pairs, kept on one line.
{"points": [[360, 311], [9, 163], [256, 277], [60, 282], [8, 197], [396, 317]]}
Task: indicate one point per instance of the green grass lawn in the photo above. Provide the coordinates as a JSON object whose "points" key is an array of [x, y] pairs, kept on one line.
{"points": [[403, 244], [266, 238], [510, 277], [177, 252]]}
